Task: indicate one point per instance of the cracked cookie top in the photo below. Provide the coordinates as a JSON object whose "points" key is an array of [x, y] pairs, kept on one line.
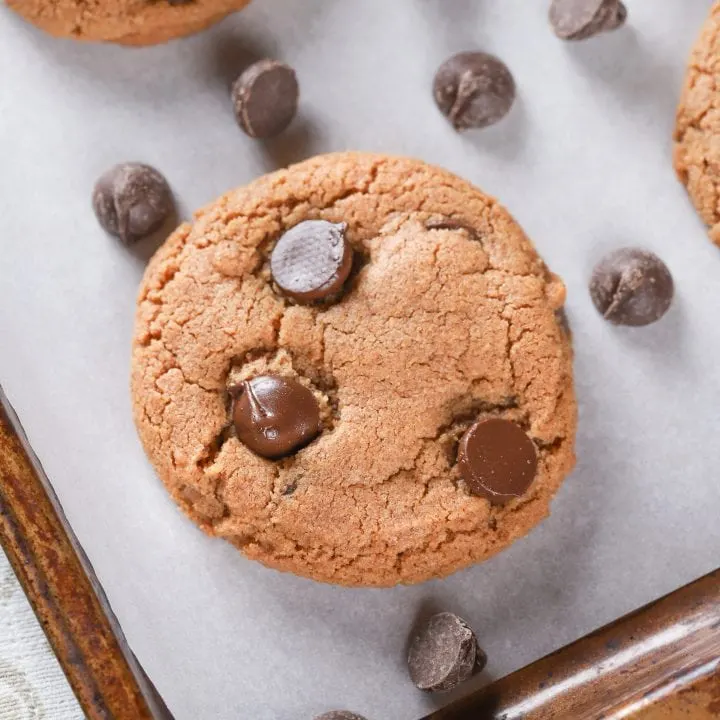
{"points": [[447, 318], [697, 130]]}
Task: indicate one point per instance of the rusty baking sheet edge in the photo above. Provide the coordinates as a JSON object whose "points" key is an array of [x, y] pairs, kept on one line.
{"points": [[63, 589]]}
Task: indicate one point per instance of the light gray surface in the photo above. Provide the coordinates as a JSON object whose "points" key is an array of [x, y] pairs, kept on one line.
{"points": [[583, 161]]}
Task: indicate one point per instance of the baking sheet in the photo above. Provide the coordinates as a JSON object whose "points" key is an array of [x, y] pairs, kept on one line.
{"points": [[583, 162]]}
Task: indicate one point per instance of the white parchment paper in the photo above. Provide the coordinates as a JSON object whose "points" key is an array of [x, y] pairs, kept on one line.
{"points": [[583, 162]]}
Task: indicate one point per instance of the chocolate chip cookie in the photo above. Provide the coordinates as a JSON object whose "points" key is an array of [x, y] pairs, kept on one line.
{"points": [[128, 22], [355, 370], [697, 130]]}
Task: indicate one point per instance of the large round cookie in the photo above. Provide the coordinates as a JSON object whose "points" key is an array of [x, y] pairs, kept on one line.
{"points": [[129, 22], [697, 131], [442, 323]]}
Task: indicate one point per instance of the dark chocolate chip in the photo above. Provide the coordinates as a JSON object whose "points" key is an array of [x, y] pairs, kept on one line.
{"points": [[497, 460], [339, 715], [443, 653], [581, 19], [275, 416], [131, 201], [265, 98], [312, 260], [473, 90], [631, 287]]}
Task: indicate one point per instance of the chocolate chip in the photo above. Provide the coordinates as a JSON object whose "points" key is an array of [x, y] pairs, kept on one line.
{"points": [[473, 90], [265, 97], [312, 260], [581, 19], [444, 653], [497, 460], [275, 416], [131, 201], [339, 715], [631, 287]]}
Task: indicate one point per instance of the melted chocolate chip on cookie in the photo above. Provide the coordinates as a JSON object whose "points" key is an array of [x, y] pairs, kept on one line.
{"points": [[497, 460], [274, 416], [312, 260]]}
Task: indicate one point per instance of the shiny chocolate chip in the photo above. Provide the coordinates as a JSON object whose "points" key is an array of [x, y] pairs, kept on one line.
{"points": [[275, 416], [497, 460]]}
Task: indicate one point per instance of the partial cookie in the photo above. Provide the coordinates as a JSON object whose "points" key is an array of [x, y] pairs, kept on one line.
{"points": [[128, 22], [445, 318], [697, 130]]}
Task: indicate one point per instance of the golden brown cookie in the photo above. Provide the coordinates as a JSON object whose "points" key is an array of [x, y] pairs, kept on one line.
{"points": [[128, 22], [697, 131], [447, 318]]}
